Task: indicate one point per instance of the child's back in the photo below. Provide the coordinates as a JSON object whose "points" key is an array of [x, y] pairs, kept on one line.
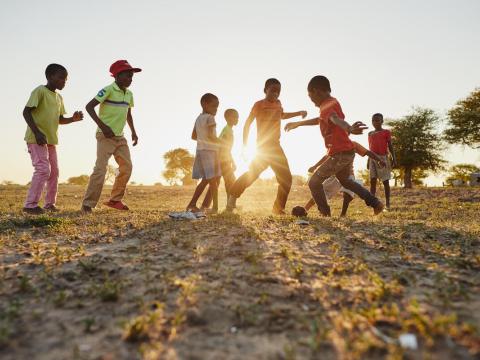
{"points": [[203, 123]]}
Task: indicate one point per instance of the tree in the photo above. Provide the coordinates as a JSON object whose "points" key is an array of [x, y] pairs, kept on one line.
{"points": [[464, 121], [461, 172], [78, 180], [418, 175], [417, 145], [178, 166], [298, 180]]}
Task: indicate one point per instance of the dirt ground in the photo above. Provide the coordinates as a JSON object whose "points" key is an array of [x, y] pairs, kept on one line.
{"points": [[248, 285]]}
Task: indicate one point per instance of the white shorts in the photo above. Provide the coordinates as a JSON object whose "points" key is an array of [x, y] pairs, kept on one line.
{"points": [[332, 186]]}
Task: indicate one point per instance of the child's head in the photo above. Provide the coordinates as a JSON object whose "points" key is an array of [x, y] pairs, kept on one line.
{"points": [[56, 76], [122, 71], [319, 89], [272, 89], [377, 121], [231, 116], [209, 103]]}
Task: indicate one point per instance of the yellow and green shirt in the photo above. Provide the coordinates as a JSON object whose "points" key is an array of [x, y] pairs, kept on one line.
{"points": [[47, 108], [114, 105]]}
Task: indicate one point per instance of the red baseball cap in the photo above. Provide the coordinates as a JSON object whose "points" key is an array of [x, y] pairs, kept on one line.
{"points": [[122, 65]]}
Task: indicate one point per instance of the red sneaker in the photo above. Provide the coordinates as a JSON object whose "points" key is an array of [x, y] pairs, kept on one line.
{"points": [[116, 205]]}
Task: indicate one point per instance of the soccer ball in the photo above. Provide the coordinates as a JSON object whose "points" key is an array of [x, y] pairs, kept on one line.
{"points": [[299, 211]]}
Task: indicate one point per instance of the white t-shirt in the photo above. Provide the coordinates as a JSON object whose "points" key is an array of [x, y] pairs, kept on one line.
{"points": [[202, 126]]}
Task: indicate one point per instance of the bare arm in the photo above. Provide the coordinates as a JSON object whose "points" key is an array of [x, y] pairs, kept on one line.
{"points": [[194, 133], [357, 127], [77, 116], [90, 107], [320, 162], [378, 159], [39, 136], [212, 136], [294, 125], [246, 128], [286, 115], [132, 127]]}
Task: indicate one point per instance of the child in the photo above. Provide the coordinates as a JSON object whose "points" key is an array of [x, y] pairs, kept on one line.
{"points": [[116, 102], [268, 113], [340, 149], [227, 164], [380, 143], [331, 186], [206, 165], [43, 113]]}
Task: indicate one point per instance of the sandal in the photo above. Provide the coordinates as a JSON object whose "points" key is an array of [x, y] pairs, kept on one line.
{"points": [[118, 205]]}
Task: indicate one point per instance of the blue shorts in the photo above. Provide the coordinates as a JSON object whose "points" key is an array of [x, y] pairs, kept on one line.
{"points": [[206, 165]]}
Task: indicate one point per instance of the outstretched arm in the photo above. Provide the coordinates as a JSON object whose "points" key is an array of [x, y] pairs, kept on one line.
{"points": [[246, 128], [357, 127], [294, 125], [320, 162], [286, 115], [378, 159]]}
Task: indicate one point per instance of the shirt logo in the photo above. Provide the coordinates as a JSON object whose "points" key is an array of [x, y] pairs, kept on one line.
{"points": [[101, 93]]}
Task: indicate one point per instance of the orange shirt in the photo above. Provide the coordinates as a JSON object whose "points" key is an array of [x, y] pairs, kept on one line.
{"points": [[268, 116], [336, 139]]}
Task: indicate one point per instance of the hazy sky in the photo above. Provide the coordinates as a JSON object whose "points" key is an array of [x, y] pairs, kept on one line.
{"points": [[380, 56]]}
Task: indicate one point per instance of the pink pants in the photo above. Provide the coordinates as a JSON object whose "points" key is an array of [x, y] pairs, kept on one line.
{"points": [[45, 164]]}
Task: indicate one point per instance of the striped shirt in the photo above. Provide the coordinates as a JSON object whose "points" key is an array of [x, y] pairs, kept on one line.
{"points": [[114, 105]]}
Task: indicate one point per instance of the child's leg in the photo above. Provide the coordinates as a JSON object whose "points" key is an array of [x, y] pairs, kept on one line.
{"points": [[124, 161], [197, 193], [52, 183], [243, 182], [213, 188], [347, 199], [41, 173], [373, 186], [105, 149], [386, 186], [279, 165], [207, 200], [228, 177], [309, 204]]}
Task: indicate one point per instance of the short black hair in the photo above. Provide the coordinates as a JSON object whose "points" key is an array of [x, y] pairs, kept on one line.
{"points": [[271, 81], [299, 211], [229, 112], [319, 82], [207, 99], [377, 115], [52, 69]]}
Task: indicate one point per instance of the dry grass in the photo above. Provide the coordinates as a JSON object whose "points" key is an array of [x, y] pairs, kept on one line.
{"points": [[115, 285]]}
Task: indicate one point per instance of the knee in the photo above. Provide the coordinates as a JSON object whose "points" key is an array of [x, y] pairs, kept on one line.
{"points": [[43, 171]]}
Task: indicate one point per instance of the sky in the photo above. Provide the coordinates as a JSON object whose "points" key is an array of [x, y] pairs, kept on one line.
{"points": [[380, 56]]}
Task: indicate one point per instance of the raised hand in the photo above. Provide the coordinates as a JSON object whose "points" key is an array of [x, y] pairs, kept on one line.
{"points": [[357, 128], [77, 116], [290, 126]]}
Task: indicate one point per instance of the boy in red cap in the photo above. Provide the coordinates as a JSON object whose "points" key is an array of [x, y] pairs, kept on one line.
{"points": [[340, 149], [115, 102]]}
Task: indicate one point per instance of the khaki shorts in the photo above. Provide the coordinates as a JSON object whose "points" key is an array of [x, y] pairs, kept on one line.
{"points": [[377, 172]]}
